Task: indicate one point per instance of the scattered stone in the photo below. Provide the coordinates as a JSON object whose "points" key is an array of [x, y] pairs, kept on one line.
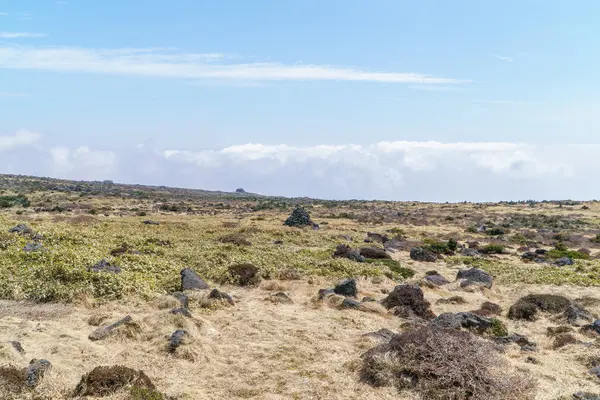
{"points": [[459, 320], [419, 254], [104, 332], [181, 311], [244, 274], [37, 237], [350, 303], [106, 380], [488, 309], [346, 288], [595, 371], [529, 256], [21, 229], [374, 253], [105, 266], [278, 242], [325, 292], [452, 300], [177, 339], [367, 299], [435, 279], [280, 298], [532, 360], [36, 371], [183, 299], [190, 280], [377, 237], [408, 299], [345, 251], [150, 222], [470, 252], [218, 295], [541, 252], [585, 396], [561, 262], [474, 276], [383, 334], [33, 247], [299, 218], [577, 315], [520, 340], [17, 346], [347, 238], [592, 328]]}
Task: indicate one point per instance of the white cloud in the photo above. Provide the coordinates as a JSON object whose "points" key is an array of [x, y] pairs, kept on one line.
{"points": [[18, 35], [398, 170], [504, 58], [165, 64], [437, 88], [19, 139]]}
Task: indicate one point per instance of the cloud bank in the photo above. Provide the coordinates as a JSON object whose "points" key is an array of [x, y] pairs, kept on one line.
{"points": [[163, 63], [400, 170]]}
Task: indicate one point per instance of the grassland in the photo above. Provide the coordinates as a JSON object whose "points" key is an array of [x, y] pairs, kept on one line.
{"points": [[259, 349]]}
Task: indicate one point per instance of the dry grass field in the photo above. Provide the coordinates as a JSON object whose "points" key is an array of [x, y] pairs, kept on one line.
{"points": [[266, 345]]}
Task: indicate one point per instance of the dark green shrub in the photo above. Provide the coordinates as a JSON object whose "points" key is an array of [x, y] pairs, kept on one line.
{"points": [[492, 249]]}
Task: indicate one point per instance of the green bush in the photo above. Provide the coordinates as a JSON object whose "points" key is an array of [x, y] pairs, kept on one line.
{"points": [[394, 266], [12, 201], [492, 249]]}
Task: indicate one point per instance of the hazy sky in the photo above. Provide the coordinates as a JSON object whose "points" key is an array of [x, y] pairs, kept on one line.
{"points": [[421, 100]]}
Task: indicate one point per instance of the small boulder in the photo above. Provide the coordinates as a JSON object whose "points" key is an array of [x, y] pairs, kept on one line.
{"points": [[190, 280], [177, 339], [105, 266], [183, 299], [182, 311], [529, 256], [325, 292], [33, 247], [593, 328], [36, 371], [350, 303], [577, 315], [586, 395], [280, 298], [374, 253], [346, 288], [561, 262], [474, 276], [435, 279], [377, 237], [218, 295], [150, 222], [469, 252], [21, 229], [345, 251], [382, 334], [419, 254], [244, 274], [17, 346]]}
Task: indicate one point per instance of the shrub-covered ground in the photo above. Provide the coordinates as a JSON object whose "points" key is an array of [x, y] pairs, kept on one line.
{"points": [[279, 340]]}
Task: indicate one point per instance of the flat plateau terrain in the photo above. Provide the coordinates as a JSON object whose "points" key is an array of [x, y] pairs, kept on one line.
{"points": [[276, 337]]}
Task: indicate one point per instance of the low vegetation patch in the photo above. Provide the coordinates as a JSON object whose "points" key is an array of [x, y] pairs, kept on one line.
{"points": [[445, 364]]}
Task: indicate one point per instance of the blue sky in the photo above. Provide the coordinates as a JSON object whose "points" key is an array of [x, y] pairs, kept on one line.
{"points": [[116, 77]]}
